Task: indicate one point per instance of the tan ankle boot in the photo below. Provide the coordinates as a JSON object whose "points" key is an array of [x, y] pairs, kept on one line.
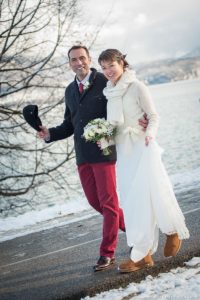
{"points": [[130, 266], [172, 245]]}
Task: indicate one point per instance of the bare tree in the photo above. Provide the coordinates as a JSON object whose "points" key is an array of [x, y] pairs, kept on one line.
{"points": [[33, 71]]}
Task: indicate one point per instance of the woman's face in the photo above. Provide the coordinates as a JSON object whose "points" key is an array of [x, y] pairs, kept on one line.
{"points": [[113, 70]]}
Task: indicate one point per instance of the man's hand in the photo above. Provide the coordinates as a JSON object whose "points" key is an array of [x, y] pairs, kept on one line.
{"points": [[143, 122], [44, 133]]}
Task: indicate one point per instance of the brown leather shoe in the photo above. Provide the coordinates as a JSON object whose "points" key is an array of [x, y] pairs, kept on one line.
{"points": [[129, 265], [172, 245], [103, 263]]}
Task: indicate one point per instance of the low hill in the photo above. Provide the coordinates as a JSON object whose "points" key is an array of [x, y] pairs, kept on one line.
{"points": [[169, 70]]}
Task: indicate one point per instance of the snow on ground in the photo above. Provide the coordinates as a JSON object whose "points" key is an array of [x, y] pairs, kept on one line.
{"points": [[178, 284], [76, 209], [54, 216]]}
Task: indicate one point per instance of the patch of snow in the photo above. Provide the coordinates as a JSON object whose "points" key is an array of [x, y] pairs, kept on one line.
{"points": [[178, 284]]}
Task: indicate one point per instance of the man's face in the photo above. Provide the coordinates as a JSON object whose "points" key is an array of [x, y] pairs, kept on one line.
{"points": [[79, 62]]}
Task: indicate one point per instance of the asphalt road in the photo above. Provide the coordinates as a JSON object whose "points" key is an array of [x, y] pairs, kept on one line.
{"points": [[57, 263]]}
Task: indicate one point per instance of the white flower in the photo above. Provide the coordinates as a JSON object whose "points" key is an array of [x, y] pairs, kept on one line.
{"points": [[100, 130], [86, 135], [86, 85]]}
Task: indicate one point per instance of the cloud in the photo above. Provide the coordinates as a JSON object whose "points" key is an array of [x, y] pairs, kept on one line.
{"points": [[147, 29], [140, 20]]}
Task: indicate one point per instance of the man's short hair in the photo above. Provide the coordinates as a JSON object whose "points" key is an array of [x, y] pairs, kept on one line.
{"points": [[78, 47]]}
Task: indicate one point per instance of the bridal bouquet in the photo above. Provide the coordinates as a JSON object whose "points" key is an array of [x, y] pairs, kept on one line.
{"points": [[100, 130]]}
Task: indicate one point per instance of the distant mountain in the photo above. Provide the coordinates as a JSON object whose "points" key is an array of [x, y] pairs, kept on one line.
{"points": [[161, 71], [193, 53]]}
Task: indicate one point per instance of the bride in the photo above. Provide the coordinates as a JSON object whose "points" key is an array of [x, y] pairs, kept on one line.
{"points": [[146, 194]]}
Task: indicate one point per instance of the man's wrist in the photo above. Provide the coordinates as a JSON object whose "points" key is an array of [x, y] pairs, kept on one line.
{"points": [[47, 139]]}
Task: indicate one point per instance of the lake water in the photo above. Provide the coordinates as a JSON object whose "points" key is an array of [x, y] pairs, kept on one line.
{"points": [[178, 105]]}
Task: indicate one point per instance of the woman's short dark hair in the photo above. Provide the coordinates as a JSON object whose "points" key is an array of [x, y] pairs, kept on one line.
{"points": [[75, 47], [113, 55]]}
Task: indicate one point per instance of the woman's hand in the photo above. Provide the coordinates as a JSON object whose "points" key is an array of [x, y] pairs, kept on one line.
{"points": [[143, 122], [105, 143], [147, 140]]}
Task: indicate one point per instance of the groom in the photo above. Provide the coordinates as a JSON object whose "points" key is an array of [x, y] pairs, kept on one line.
{"points": [[85, 101]]}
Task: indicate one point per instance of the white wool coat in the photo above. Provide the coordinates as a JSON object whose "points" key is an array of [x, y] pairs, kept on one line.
{"points": [[127, 103]]}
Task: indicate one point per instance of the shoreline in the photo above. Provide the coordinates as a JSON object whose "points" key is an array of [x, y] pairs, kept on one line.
{"points": [[48, 218]]}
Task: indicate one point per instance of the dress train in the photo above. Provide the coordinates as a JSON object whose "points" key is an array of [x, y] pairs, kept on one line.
{"points": [[147, 197]]}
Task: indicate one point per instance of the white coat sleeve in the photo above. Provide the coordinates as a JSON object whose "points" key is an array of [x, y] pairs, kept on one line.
{"points": [[147, 105]]}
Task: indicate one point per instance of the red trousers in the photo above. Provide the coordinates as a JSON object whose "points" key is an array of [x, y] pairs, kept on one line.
{"points": [[99, 184]]}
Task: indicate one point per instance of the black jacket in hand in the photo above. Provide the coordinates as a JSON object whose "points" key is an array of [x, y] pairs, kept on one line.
{"points": [[80, 109]]}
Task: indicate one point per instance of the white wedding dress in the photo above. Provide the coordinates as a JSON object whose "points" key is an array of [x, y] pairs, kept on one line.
{"points": [[146, 194]]}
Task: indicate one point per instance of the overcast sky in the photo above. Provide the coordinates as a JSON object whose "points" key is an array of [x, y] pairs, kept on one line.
{"points": [[146, 29]]}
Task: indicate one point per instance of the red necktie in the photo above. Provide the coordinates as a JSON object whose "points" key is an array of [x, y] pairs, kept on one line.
{"points": [[80, 87]]}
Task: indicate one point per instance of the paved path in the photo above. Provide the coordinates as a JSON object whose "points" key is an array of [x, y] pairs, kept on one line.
{"points": [[57, 263]]}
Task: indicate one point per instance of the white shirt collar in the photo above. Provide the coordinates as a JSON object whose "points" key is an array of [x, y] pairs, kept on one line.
{"points": [[86, 79]]}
